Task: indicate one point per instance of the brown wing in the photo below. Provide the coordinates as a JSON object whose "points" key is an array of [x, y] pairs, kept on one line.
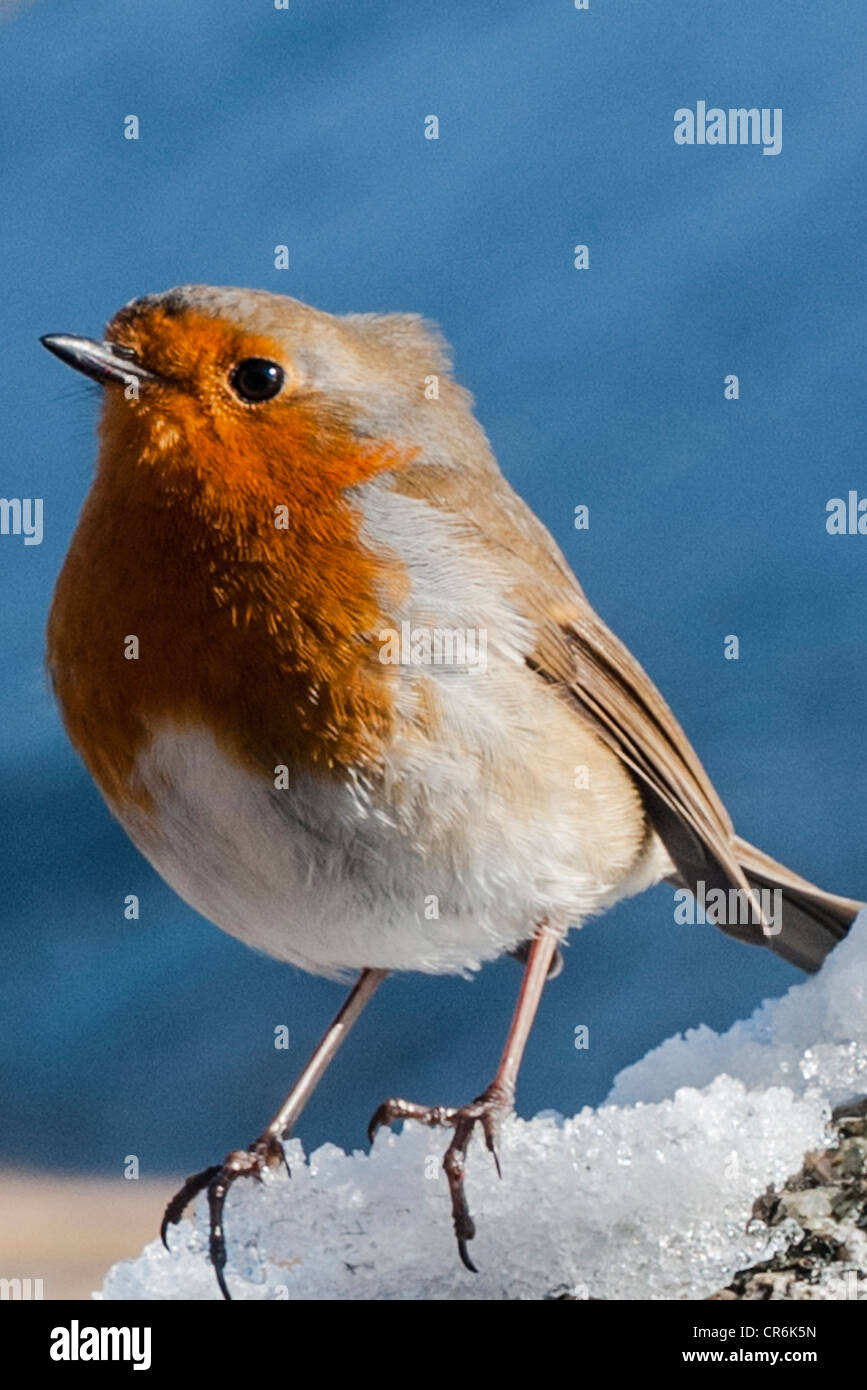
{"points": [[578, 654], [631, 717], [628, 713]]}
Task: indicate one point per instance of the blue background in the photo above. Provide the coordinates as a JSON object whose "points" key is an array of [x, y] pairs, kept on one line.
{"points": [[605, 387]]}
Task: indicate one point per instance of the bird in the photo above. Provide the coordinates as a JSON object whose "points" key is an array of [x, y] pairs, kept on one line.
{"points": [[342, 690]]}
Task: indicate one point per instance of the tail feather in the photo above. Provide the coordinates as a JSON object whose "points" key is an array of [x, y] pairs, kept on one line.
{"points": [[813, 921]]}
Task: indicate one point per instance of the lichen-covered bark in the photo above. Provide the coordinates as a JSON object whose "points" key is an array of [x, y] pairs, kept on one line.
{"points": [[821, 1214]]}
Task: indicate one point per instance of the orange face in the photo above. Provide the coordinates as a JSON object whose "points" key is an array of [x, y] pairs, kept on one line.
{"points": [[192, 417], [219, 533]]}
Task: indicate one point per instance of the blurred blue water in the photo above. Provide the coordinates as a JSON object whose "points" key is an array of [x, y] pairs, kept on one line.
{"points": [[306, 127]]}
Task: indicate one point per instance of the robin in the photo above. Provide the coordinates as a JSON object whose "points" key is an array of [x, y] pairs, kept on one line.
{"points": [[342, 690]]}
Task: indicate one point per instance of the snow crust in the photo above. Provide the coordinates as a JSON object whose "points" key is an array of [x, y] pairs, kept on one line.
{"points": [[649, 1196]]}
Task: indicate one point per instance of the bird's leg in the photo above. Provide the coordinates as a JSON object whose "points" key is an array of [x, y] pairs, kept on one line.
{"points": [[267, 1151], [496, 1101]]}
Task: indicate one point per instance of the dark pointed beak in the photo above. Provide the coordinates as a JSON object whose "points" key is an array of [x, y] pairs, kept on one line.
{"points": [[101, 361]]}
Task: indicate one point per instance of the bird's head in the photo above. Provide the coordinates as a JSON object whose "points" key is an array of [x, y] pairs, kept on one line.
{"points": [[239, 391]]}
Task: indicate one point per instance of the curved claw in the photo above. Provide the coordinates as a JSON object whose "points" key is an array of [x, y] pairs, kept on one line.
{"points": [[181, 1200], [377, 1120], [485, 1110], [217, 1190], [267, 1152], [489, 1127]]}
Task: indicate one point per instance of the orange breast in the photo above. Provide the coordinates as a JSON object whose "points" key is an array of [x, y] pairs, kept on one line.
{"points": [[265, 636]]}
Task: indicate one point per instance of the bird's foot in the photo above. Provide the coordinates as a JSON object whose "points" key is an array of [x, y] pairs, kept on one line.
{"points": [[266, 1152], [486, 1110]]}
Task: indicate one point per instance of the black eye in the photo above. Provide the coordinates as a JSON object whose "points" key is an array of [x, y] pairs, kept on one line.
{"points": [[257, 379]]}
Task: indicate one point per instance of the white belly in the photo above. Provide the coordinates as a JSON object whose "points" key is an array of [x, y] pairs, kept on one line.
{"points": [[450, 862]]}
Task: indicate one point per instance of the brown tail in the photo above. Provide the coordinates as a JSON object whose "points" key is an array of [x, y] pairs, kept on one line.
{"points": [[813, 921]]}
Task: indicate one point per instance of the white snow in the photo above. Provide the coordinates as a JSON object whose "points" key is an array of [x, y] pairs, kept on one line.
{"points": [[649, 1196]]}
